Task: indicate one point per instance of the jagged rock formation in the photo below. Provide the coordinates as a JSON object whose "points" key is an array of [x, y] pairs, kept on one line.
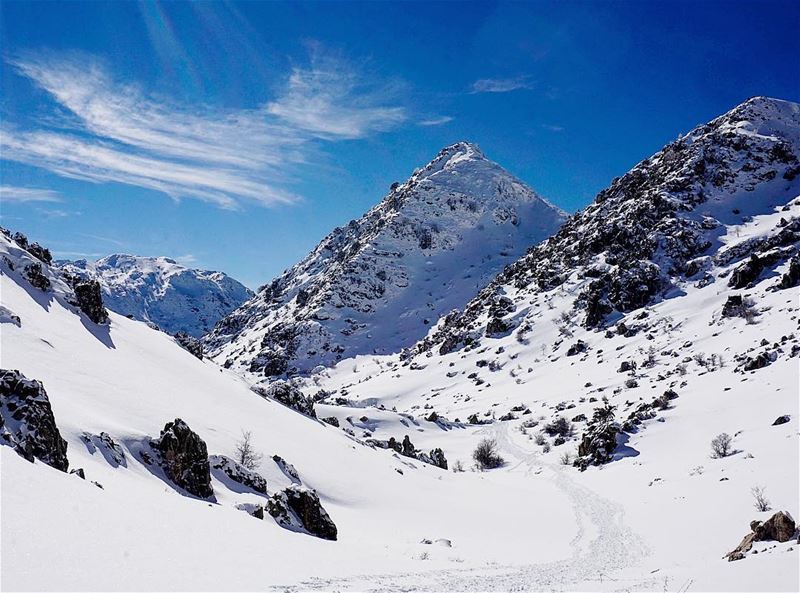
{"points": [[379, 283], [27, 423], [33, 263], [192, 345], [108, 447], [184, 458], [298, 508], [779, 527], [238, 473], [289, 395], [161, 291], [655, 227]]}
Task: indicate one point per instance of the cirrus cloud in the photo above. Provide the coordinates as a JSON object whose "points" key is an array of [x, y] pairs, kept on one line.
{"points": [[105, 130]]}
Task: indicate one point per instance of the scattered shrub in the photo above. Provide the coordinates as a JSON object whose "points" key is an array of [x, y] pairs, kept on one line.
{"points": [[486, 456], [761, 502], [721, 445]]}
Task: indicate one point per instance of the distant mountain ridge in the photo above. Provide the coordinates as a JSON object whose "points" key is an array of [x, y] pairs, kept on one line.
{"points": [[378, 284], [161, 291]]}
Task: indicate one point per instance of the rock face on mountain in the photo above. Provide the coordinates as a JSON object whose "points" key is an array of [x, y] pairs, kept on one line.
{"points": [[184, 458], [378, 284], [27, 423], [298, 508], [159, 290], [658, 225], [31, 264]]}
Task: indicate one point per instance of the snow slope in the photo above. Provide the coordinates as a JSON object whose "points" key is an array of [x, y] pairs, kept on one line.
{"points": [[159, 290], [525, 353], [659, 517], [140, 533], [377, 285]]}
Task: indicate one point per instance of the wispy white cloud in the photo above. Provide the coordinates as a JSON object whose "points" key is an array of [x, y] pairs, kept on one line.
{"points": [[329, 101], [502, 85], [553, 128], [435, 121], [115, 132], [116, 242], [13, 193], [53, 213], [187, 260]]}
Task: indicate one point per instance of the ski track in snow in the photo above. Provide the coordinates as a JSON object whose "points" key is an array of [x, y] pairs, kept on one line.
{"points": [[594, 560]]}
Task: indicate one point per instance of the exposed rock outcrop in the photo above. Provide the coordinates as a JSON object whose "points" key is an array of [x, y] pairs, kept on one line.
{"points": [[298, 508], [184, 458], [779, 527], [192, 345], [289, 395], [27, 423], [238, 473]]}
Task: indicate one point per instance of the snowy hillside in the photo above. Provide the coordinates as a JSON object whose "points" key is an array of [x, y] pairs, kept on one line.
{"points": [[378, 284], [661, 316], [128, 525], [159, 290], [631, 385]]}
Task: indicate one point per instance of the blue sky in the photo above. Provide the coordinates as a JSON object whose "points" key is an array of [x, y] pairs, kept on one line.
{"points": [[235, 136]]}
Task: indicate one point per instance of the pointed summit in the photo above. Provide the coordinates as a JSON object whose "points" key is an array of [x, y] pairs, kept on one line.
{"points": [[378, 284]]}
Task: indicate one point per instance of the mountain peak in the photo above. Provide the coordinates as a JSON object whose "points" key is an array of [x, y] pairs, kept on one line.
{"points": [[376, 285]]}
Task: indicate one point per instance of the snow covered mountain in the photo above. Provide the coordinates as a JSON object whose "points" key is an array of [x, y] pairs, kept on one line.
{"points": [[656, 230], [635, 379], [378, 284], [159, 290]]}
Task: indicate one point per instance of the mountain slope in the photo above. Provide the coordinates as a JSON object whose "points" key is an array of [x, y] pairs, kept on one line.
{"points": [[694, 335], [159, 290], [378, 284], [655, 228], [126, 526]]}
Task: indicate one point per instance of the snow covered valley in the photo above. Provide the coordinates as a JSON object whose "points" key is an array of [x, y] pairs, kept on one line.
{"points": [[594, 379]]}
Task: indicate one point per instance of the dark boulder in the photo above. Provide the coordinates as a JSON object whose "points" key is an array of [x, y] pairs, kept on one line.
{"points": [[27, 423], [298, 508], [33, 272], [89, 299], [192, 345], [734, 306], [792, 277], [626, 366], [781, 420], [577, 348], [332, 420], [238, 473], [498, 327], [184, 458], [438, 459], [759, 362], [747, 273], [780, 527], [408, 447], [290, 396], [41, 253]]}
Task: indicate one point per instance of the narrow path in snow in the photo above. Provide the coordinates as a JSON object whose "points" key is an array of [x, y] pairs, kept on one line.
{"points": [[602, 546]]}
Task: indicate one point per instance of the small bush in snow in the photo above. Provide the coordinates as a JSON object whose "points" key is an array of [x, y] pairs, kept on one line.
{"points": [[540, 440], [566, 458], [761, 502], [721, 445], [458, 467], [561, 427], [245, 454], [486, 456]]}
